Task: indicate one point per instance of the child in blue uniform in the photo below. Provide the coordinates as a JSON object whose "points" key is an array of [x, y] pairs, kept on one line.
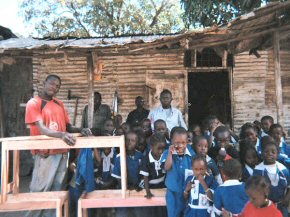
{"points": [[151, 168], [277, 174], [231, 195], [249, 159], [266, 122], [177, 160], [199, 189], [200, 146], [276, 132]]}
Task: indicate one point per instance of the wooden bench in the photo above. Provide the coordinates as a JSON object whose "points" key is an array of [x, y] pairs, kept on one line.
{"points": [[45, 200], [112, 198]]}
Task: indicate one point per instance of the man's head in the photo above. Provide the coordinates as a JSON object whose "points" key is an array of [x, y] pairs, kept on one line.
{"points": [[97, 99], [166, 99], [139, 102], [51, 85]]}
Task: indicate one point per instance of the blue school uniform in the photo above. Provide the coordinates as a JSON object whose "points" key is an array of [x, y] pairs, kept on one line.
{"points": [[199, 204], [133, 168], [279, 185], [247, 172], [231, 196], [175, 181], [284, 154], [213, 169]]}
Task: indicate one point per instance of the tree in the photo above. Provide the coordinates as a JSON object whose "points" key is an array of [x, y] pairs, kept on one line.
{"points": [[204, 13], [87, 18]]}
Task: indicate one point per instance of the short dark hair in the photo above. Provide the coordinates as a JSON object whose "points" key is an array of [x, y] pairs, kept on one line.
{"points": [[245, 146], [259, 183], [268, 140], [165, 91], [199, 158], [96, 93], [245, 127], [53, 76], [274, 126], [139, 97], [232, 168], [158, 138], [196, 140], [221, 129], [177, 131], [267, 117], [159, 121]]}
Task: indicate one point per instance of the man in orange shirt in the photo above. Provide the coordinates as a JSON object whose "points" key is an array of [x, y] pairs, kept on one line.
{"points": [[46, 115]]}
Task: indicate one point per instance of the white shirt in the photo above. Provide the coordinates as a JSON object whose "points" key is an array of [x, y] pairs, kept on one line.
{"points": [[172, 117]]}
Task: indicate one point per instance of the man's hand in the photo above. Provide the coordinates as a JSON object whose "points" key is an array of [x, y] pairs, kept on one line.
{"points": [[86, 132], [69, 139]]}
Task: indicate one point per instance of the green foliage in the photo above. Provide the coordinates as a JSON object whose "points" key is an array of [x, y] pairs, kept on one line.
{"points": [[204, 13], [86, 18]]}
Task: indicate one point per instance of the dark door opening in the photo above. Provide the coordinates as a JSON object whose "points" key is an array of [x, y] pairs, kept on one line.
{"points": [[208, 94]]}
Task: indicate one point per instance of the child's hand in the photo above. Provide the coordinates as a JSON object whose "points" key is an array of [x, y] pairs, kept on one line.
{"points": [[172, 149], [188, 187], [226, 213], [149, 195], [84, 195]]}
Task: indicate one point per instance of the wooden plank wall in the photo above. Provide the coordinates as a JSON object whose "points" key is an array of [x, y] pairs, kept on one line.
{"points": [[285, 76], [253, 91], [125, 73]]}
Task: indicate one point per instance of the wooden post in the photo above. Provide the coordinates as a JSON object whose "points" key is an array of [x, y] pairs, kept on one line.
{"points": [[123, 167], [15, 172], [1, 117], [4, 175], [278, 84], [90, 68]]}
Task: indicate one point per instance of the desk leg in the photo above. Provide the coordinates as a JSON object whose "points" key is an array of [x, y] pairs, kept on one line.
{"points": [[15, 172], [80, 214], [66, 210], [4, 174]]}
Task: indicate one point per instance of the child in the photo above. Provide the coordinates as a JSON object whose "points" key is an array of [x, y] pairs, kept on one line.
{"points": [[249, 159], [161, 127], [108, 127], [257, 188], [177, 160], [151, 169], [198, 189], [133, 160], [125, 127], [276, 131], [196, 130], [266, 122], [141, 145], [277, 174], [200, 146], [249, 132], [146, 127], [231, 194]]}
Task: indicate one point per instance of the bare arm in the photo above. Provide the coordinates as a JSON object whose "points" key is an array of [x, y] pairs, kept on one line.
{"points": [[168, 162], [66, 137], [146, 185]]}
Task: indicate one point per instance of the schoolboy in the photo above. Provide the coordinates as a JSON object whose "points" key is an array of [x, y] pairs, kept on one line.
{"points": [[177, 161], [231, 195]]}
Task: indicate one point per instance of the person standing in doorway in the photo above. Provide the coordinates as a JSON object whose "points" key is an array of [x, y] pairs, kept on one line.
{"points": [[136, 116], [101, 112], [172, 116], [46, 115]]}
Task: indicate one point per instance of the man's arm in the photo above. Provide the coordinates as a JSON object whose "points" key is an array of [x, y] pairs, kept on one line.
{"points": [[84, 131], [66, 137]]}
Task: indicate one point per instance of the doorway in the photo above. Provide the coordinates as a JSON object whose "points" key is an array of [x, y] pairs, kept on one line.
{"points": [[209, 94]]}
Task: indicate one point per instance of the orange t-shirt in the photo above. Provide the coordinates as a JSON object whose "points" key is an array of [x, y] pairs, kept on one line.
{"points": [[53, 115], [251, 211]]}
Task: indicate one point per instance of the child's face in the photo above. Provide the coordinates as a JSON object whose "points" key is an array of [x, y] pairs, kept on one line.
{"points": [[199, 168], [180, 143], [146, 127], [223, 139], [251, 158], [270, 154], [251, 135], [141, 146], [107, 151], [202, 147], [131, 141], [277, 134], [109, 127], [125, 127], [190, 137], [197, 131], [257, 198], [157, 149], [120, 131], [161, 128], [266, 124]]}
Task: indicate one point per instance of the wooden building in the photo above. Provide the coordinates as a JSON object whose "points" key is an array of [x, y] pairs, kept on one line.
{"points": [[239, 72]]}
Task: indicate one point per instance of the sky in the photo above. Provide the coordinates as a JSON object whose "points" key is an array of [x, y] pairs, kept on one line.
{"points": [[9, 18]]}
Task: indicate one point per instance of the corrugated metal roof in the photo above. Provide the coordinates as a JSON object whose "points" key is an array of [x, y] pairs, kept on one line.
{"points": [[30, 43]]}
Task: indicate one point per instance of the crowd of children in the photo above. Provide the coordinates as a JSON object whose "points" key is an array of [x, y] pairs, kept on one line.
{"points": [[207, 170]]}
